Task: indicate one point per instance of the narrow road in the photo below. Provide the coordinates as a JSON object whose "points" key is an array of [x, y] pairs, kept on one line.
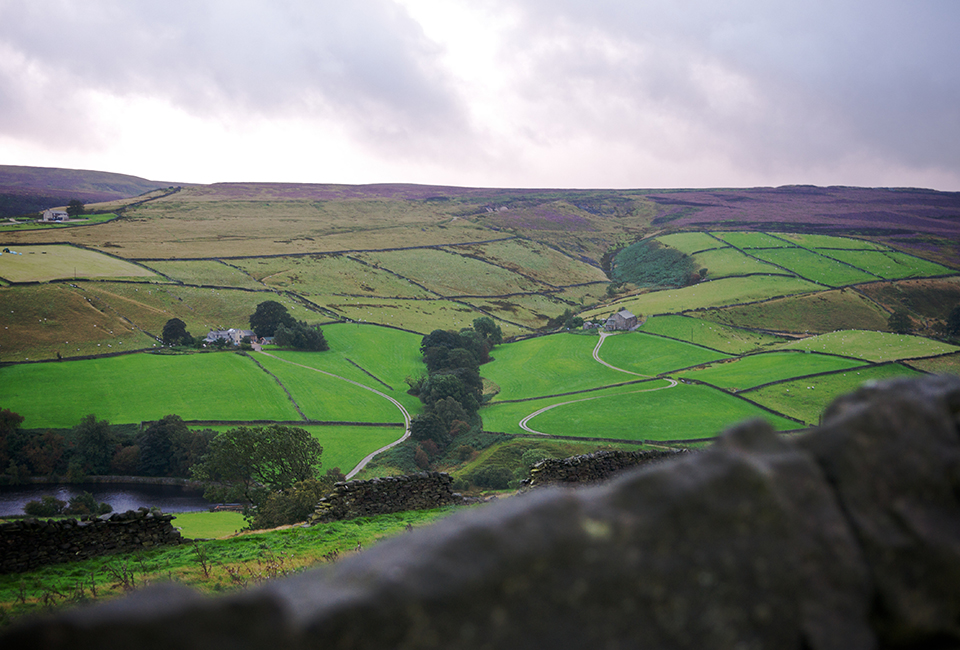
{"points": [[370, 456]]}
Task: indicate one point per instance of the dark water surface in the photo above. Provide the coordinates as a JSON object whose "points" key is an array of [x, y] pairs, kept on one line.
{"points": [[122, 496]]}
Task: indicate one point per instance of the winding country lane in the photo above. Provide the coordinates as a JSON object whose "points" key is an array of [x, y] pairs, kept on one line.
{"points": [[596, 356], [370, 456]]}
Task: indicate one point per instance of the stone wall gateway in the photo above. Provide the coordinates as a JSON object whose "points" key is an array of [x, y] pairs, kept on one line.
{"points": [[26, 544], [380, 496]]}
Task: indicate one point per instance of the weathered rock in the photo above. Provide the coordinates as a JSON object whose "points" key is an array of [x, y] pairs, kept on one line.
{"points": [[592, 468], [846, 538], [380, 496]]}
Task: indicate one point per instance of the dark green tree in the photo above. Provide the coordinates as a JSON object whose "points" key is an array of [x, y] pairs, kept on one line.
{"points": [[75, 208], [953, 321], [95, 444], [159, 444], [900, 322], [175, 333], [9, 440], [247, 463], [301, 336], [269, 315], [488, 328]]}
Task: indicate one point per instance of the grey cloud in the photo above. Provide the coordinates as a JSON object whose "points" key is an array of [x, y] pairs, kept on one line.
{"points": [[365, 61], [877, 79]]}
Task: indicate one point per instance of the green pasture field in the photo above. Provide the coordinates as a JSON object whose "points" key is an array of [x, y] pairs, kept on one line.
{"points": [[814, 266], [252, 557], [726, 262], [329, 275], [391, 355], [38, 321], [137, 387], [206, 272], [690, 242], [584, 295], [421, 316], [653, 355], [46, 263], [829, 241], [547, 365], [208, 525], [201, 308], [872, 346], [505, 417], [715, 293], [751, 240], [322, 397], [805, 399], [890, 265], [756, 369], [712, 335], [945, 365], [343, 445], [678, 413], [824, 311], [536, 260], [450, 274]]}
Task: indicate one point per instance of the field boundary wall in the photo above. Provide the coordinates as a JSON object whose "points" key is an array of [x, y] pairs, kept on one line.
{"points": [[29, 543], [592, 468], [379, 496]]}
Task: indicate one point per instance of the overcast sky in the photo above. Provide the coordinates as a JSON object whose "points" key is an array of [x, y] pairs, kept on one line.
{"points": [[505, 93]]}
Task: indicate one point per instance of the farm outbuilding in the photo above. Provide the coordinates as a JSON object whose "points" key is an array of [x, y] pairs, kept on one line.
{"points": [[622, 320], [233, 336], [55, 215]]}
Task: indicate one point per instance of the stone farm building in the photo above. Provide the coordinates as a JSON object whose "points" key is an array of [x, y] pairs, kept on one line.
{"points": [[622, 320], [230, 336], [55, 215]]}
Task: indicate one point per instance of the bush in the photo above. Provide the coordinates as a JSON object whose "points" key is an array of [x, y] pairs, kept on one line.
{"points": [[47, 506], [494, 478], [291, 506], [85, 504]]}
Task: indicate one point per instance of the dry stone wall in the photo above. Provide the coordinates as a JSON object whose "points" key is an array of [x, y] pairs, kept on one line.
{"points": [[29, 543], [380, 496], [591, 468]]}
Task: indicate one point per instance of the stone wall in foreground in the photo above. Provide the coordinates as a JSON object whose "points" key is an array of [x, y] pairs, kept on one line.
{"points": [[843, 538], [29, 543], [380, 496], [592, 468]]}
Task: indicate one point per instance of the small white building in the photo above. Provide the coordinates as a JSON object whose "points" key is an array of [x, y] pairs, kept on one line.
{"points": [[231, 335], [622, 320], [55, 215]]}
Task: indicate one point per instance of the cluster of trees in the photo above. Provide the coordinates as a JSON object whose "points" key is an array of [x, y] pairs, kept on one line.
{"points": [[650, 263], [273, 471], [452, 391], [272, 319], [94, 447], [51, 506]]}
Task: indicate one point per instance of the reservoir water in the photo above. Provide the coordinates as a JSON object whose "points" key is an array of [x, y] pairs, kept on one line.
{"points": [[122, 496]]}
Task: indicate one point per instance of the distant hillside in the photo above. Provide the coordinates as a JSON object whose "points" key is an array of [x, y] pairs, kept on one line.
{"points": [[24, 190]]}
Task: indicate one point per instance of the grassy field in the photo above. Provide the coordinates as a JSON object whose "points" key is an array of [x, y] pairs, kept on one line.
{"points": [[814, 266], [206, 272], [690, 242], [829, 242], [945, 365], [326, 398], [536, 260], [38, 321], [712, 335], [932, 298], [872, 346], [751, 240], [678, 413], [547, 365], [652, 355], [505, 417], [727, 262], [824, 311], [890, 265], [716, 293], [208, 525], [756, 369], [46, 263], [805, 399], [137, 387]]}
